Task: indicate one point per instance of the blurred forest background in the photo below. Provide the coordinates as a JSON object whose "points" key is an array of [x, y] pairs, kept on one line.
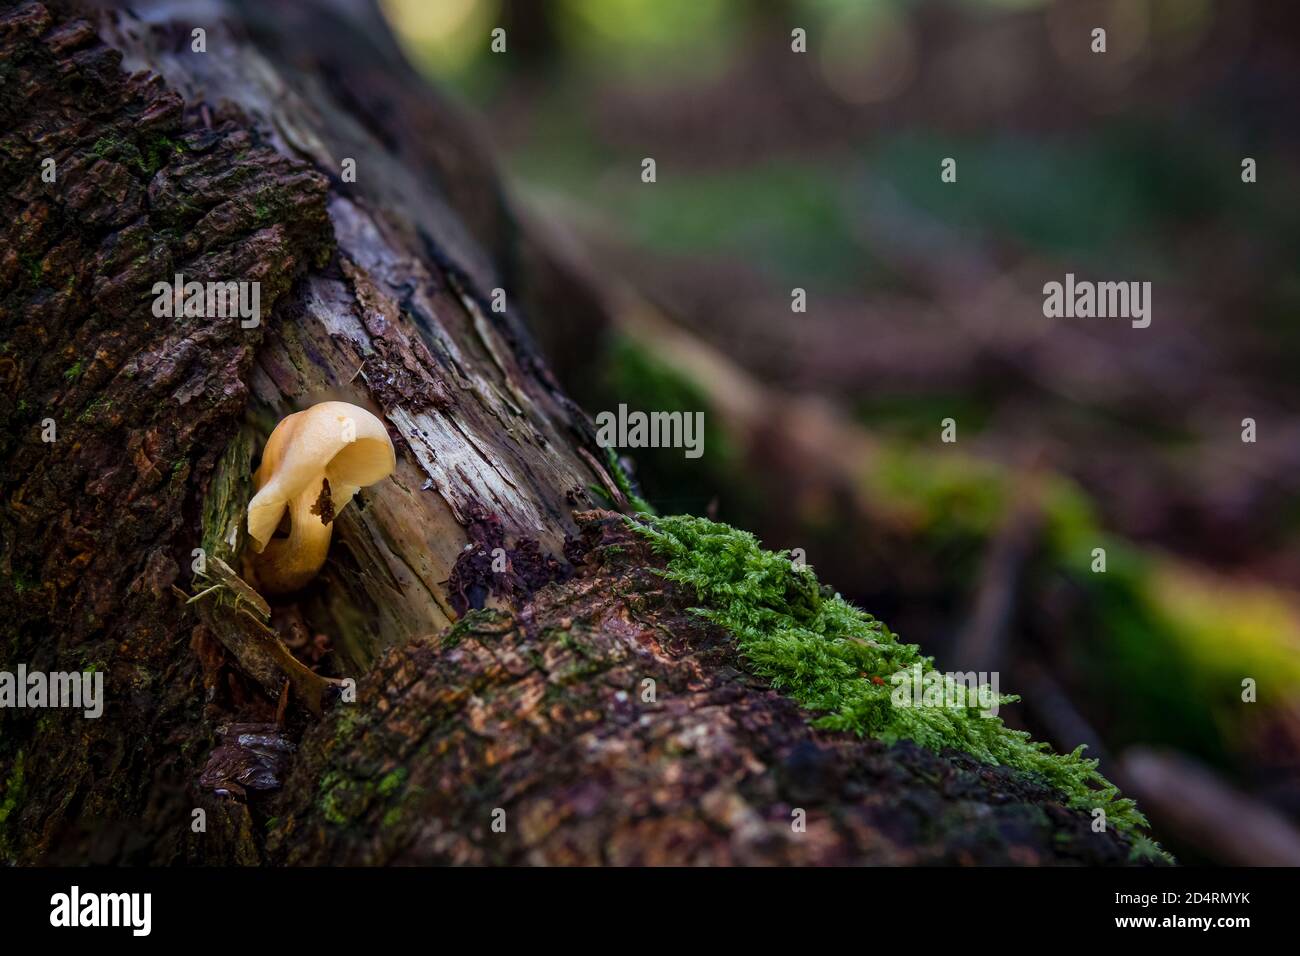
{"points": [[778, 170]]}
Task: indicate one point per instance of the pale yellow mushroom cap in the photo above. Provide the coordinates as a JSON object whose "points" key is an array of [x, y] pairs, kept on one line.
{"points": [[331, 442]]}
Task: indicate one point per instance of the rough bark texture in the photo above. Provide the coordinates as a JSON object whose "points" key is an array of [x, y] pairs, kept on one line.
{"points": [[226, 165], [545, 715]]}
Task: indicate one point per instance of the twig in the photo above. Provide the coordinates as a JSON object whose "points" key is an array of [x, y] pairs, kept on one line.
{"points": [[982, 644], [1187, 798]]}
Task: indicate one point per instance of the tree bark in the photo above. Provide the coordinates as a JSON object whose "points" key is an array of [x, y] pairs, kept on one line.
{"points": [[501, 717]]}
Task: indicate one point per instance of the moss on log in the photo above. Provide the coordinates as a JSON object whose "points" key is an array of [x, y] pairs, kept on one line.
{"points": [[225, 166]]}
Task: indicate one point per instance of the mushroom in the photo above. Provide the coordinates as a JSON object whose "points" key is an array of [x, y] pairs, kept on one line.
{"points": [[314, 462]]}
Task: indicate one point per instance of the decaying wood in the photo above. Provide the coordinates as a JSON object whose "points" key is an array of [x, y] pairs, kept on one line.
{"points": [[603, 723], [226, 166], [240, 618]]}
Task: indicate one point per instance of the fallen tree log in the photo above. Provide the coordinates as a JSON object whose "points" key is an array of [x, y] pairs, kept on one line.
{"points": [[499, 629]]}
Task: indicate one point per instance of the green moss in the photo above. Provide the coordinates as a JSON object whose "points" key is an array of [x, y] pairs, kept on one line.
{"points": [[1186, 639], [74, 373], [335, 792], [390, 782], [342, 798], [92, 411], [1183, 640], [148, 160], [1146, 849], [270, 204], [158, 150], [347, 724], [823, 652], [107, 146], [625, 483], [227, 498], [482, 622]]}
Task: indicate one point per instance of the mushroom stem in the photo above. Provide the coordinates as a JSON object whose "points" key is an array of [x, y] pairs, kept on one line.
{"points": [[286, 564]]}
